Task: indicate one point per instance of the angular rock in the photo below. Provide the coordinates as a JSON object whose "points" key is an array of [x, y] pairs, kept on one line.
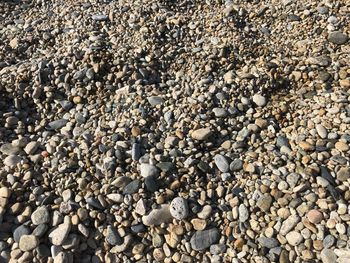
{"points": [[158, 216]]}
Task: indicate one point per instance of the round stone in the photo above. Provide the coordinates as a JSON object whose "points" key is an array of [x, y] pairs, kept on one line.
{"points": [[314, 216], [221, 163], [259, 100], [179, 208], [40, 216], [28, 242]]}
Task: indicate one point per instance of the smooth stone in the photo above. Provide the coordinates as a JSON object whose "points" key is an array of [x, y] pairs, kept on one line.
{"points": [[40, 216], [289, 224], [57, 124], [112, 236], [140, 207], [31, 147], [5, 192], [314, 216], [264, 202], [166, 166], [132, 187], [220, 112], [205, 212], [99, 17], [58, 235], [201, 134], [259, 100], [343, 174], [9, 149], [158, 216], [282, 141], [147, 170], [204, 239], [243, 213], [28, 242], [236, 165], [268, 242], [61, 257], [328, 241], [40, 230], [327, 175], [151, 184], [12, 160], [155, 100], [294, 238], [117, 198], [136, 151], [221, 163], [217, 249], [337, 37], [94, 203], [321, 130], [328, 256], [179, 208], [20, 231]]}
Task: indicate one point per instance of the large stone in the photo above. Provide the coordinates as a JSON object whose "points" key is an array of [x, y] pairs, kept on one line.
{"points": [[40, 216], [179, 208], [58, 236], [337, 37], [148, 170], [204, 239], [221, 163], [158, 216], [28, 242], [259, 100], [328, 256], [12, 160], [294, 238], [201, 134]]}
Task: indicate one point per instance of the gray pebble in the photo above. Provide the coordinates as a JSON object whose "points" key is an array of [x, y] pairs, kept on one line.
{"points": [[204, 239]]}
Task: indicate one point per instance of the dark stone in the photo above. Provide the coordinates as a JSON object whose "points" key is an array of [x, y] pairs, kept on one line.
{"points": [[151, 184], [204, 239], [326, 175], [268, 242], [132, 187], [20, 231]]}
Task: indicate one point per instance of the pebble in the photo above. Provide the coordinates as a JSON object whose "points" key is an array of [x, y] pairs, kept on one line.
{"points": [[179, 208], [40, 216], [321, 130], [201, 134], [221, 163], [337, 37], [314, 216], [28, 242], [12, 160], [204, 239], [58, 236], [158, 216], [268, 242], [112, 236], [264, 202], [328, 256], [343, 174], [259, 100], [20, 231], [243, 213], [155, 100], [31, 147], [294, 238], [148, 170]]}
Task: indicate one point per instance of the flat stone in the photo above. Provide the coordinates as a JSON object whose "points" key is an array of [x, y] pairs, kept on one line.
{"points": [[20, 231], [268, 242], [57, 124], [12, 160], [9, 149], [158, 216], [204, 239], [321, 130], [148, 170], [236, 165], [337, 37], [294, 238], [5, 192], [221, 163], [289, 224], [94, 203], [343, 174], [217, 249], [264, 202], [112, 236], [28, 242], [328, 256], [151, 184], [179, 208], [99, 17], [31, 147], [342, 146], [201, 134], [40, 216], [132, 187], [259, 100], [58, 236], [155, 100], [220, 112]]}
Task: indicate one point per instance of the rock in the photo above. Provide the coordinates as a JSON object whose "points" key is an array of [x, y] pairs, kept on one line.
{"points": [[12, 160], [19, 232], [179, 208], [264, 202], [337, 37], [204, 239], [259, 100], [220, 112], [243, 213], [40, 216], [61, 257], [229, 77], [147, 170], [155, 100], [9, 149], [57, 124], [294, 238], [132, 187], [28, 242], [31, 147], [343, 174], [140, 207], [158, 216], [306, 146], [328, 256], [328, 241], [94, 203], [136, 151], [5, 192], [217, 249], [314, 216], [289, 224], [58, 235], [236, 165], [321, 130], [205, 212], [221, 163], [342, 146], [112, 236], [326, 175], [100, 17], [151, 184], [268, 242], [201, 134]]}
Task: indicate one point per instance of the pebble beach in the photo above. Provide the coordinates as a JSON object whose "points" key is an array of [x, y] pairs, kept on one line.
{"points": [[175, 131]]}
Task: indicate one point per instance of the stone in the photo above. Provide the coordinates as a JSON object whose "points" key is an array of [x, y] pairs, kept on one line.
{"points": [[314, 216], [321, 130], [20, 231], [328, 256], [204, 239], [243, 213], [61, 257], [199, 224], [337, 37], [112, 236], [289, 224], [40, 216], [343, 174], [58, 235], [264, 202], [342, 146], [205, 212], [147, 170], [155, 100], [140, 207], [151, 184], [12, 160], [268, 242], [158, 216], [221, 163], [236, 165], [259, 100], [217, 249], [201, 134], [28, 242], [294, 238], [9, 149], [306, 146], [99, 17], [5, 192], [132, 187], [31, 147], [179, 208], [57, 124]]}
